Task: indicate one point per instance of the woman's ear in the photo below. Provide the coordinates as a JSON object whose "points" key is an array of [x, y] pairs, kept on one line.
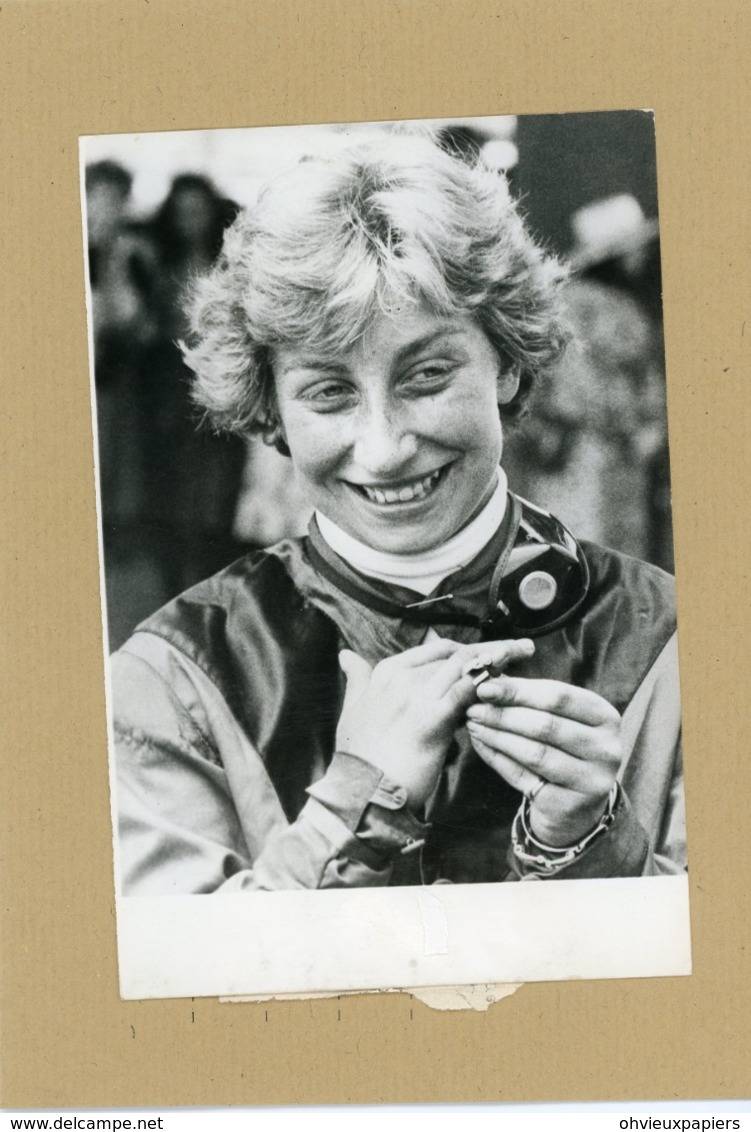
{"points": [[281, 445], [507, 382], [273, 435]]}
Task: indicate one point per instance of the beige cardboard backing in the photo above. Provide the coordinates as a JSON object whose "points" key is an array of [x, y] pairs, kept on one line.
{"points": [[89, 67]]}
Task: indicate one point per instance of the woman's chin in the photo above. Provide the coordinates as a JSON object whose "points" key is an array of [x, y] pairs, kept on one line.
{"points": [[408, 528], [393, 543]]}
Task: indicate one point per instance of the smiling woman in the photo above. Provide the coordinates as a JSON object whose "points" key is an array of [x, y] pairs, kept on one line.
{"points": [[438, 683], [398, 442]]}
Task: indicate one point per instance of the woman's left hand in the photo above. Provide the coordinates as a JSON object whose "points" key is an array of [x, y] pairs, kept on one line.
{"points": [[568, 737]]}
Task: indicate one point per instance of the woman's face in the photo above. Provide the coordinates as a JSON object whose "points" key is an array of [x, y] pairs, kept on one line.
{"points": [[398, 440]]}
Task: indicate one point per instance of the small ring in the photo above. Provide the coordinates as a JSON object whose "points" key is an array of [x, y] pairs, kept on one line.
{"points": [[530, 795]]}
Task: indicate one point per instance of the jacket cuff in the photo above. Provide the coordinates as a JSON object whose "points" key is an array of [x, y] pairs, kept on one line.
{"points": [[369, 805]]}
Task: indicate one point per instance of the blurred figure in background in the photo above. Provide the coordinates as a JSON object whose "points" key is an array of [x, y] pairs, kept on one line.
{"points": [[122, 276], [194, 475], [107, 193], [168, 489], [595, 448]]}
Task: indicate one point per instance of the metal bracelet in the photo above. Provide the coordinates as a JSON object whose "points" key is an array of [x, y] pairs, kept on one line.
{"points": [[551, 858]]}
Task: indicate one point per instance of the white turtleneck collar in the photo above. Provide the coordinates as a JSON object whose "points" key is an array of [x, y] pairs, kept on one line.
{"points": [[427, 569]]}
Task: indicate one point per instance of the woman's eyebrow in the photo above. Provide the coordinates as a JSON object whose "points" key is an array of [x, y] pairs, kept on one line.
{"points": [[430, 339], [333, 365], [318, 365]]}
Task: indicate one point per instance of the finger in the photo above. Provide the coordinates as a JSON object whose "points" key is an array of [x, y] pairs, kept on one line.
{"points": [[545, 761], [357, 673], [499, 654], [492, 654], [565, 700], [555, 814], [519, 777], [580, 740]]}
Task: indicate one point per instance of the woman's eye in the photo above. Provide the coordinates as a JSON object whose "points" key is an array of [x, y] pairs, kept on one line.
{"points": [[430, 376], [329, 395]]}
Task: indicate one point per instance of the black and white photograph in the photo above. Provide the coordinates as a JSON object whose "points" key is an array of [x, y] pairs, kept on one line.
{"points": [[386, 554]]}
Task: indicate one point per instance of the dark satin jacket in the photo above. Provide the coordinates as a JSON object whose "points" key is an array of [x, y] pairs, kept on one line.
{"points": [[226, 704]]}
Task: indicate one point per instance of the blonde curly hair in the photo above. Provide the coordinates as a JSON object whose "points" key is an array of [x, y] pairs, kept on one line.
{"points": [[385, 220]]}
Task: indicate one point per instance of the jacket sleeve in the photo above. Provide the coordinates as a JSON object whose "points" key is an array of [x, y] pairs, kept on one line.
{"points": [[197, 811], [648, 835], [652, 771]]}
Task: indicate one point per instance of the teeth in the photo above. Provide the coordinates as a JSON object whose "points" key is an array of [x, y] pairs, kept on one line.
{"points": [[417, 490]]}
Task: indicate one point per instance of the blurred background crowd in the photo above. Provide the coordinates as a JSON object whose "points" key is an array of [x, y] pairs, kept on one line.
{"points": [[178, 503]]}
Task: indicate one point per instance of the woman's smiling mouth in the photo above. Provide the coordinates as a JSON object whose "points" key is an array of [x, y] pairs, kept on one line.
{"points": [[404, 493]]}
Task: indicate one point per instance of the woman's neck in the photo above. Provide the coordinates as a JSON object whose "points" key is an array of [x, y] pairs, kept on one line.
{"points": [[427, 569]]}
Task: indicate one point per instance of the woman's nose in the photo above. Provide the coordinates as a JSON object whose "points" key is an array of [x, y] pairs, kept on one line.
{"points": [[384, 443]]}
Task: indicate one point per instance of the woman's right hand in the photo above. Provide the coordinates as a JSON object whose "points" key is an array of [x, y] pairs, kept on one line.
{"points": [[401, 714]]}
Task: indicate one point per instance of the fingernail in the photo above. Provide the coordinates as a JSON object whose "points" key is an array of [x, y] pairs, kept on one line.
{"points": [[491, 687]]}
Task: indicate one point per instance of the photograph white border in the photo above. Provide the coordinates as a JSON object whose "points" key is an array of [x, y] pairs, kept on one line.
{"points": [[260, 943]]}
